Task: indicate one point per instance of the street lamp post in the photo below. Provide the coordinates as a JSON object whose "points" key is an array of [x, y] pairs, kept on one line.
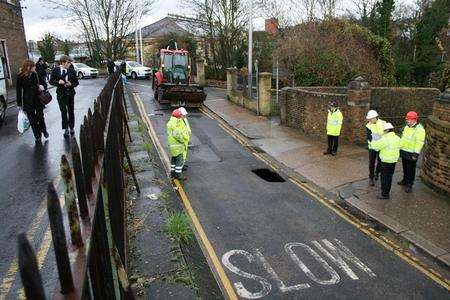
{"points": [[250, 49]]}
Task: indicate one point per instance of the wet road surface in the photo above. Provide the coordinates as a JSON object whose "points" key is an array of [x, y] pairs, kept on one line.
{"points": [[274, 240], [25, 170]]}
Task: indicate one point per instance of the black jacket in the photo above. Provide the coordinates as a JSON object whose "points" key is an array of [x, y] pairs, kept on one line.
{"points": [[27, 92], [41, 69], [61, 90]]}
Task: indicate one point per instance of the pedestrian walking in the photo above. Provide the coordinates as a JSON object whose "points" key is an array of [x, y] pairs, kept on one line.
{"points": [[412, 140], [178, 138], [184, 115], [334, 125], [374, 130], [27, 89], [41, 70], [389, 148], [65, 79], [111, 66]]}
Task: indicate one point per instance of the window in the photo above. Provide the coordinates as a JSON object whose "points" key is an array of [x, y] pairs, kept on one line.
{"points": [[180, 60], [133, 64], [168, 59]]}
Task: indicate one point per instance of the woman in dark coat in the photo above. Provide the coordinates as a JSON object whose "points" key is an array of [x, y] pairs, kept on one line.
{"points": [[27, 89], [41, 70]]}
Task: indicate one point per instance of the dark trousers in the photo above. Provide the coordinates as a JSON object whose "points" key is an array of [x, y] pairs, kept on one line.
{"points": [[333, 142], [176, 163], [37, 122], [374, 163], [409, 171], [66, 106], [387, 171]]}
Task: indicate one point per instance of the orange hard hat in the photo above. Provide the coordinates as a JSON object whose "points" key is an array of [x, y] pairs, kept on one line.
{"points": [[176, 113], [412, 115]]}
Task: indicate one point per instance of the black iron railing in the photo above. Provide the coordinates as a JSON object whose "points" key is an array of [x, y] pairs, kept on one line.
{"points": [[93, 265]]}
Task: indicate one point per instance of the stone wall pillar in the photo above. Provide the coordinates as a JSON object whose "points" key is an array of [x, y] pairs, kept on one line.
{"points": [[264, 86], [201, 71], [231, 80], [358, 103], [436, 163]]}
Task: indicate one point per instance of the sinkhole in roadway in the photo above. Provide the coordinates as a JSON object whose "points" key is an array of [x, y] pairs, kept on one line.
{"points": [[268, 175]]}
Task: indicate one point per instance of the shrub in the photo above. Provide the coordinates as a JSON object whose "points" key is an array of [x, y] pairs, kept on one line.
{"points": [[333, 52]]}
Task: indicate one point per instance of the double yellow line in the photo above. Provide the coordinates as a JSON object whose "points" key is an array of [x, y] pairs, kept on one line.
{"points": [[385, 242], [213, 258], [41, 254]]}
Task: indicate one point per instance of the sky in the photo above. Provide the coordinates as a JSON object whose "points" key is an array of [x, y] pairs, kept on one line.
{"points": [[40, 17]]}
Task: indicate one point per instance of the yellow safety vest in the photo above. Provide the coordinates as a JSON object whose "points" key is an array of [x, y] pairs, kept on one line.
{"points": [[413, 138], [376, 130], [188, 127], [389, 147], [177, 136], [334, 122]]}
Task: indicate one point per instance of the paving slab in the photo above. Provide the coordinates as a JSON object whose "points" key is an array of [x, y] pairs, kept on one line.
{"points": [[423, 243]]}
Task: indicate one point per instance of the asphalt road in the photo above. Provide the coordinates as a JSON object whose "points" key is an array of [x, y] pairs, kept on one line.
{"points": [[274, 240], [25, 170]]}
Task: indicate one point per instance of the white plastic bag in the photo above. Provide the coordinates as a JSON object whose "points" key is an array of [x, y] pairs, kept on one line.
{"points": [[22, 122]]}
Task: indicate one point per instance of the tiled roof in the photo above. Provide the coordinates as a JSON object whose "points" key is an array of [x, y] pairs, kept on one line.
{"points": [[169, 25]]}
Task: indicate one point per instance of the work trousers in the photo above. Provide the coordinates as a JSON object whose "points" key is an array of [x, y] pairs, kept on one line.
{"points": [[387, 171], [66, 106], [37, 122], [409, 171], [176, 163], [374, 163], [333, 142]]}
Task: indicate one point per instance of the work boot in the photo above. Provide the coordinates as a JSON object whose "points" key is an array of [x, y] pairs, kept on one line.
{"points": [[38, 140], [333, 153], [381, 197], [408, 189], [66, 133], [172, 174], [185, 167], [72, 132], [371, 182], [180, 176], [46, 135], [402, 182]]}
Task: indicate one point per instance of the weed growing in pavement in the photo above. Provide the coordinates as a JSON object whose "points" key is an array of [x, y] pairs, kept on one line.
{"points": [[147, 146], [141, 128], [178, 228]]}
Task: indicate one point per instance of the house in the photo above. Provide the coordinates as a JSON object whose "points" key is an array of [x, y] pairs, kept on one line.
{"points": [[13, 45], [171, 24]]}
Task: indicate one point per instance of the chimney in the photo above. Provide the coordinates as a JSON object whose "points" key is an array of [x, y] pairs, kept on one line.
{"points": [[272, 26]]}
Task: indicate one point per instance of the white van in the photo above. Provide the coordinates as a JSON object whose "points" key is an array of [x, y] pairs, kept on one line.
{"points": [[135, 70]]}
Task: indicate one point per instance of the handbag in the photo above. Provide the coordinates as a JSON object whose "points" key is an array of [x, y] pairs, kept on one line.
{"points": [[44, 96]]}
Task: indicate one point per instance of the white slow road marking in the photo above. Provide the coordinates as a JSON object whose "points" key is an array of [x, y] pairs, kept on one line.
{"points": [[339, 255]]}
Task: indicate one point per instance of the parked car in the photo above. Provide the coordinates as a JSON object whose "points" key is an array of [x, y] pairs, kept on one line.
{"points": [[135, 70], [84, 71], [3, 95]]}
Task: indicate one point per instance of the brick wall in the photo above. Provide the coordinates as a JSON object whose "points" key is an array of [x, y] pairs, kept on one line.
{"points": [[12, 30], [393, 103], [436, 164], [307, 110]]}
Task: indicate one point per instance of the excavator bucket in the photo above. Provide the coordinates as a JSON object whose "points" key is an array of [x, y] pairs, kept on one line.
{"points": [[183, 95]]}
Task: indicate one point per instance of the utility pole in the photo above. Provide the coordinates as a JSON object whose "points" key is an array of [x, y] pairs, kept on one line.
{"points": [[250, 49], [142, 47], [136, 41]]}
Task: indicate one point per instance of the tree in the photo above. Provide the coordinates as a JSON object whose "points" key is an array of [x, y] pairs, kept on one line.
{"points": [[105, 23], [65, 47], [47, 47], [383, 18]]}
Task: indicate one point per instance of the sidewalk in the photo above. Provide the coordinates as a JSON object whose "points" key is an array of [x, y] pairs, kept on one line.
{"points": [[421, 217]]}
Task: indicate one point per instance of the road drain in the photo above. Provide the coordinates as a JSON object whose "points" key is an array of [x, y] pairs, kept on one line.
{"points": [[268, 175]]}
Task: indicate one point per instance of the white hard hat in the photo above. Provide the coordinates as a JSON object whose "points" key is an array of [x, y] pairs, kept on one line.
{"points": [[387, 126], [371, 114], [183, 111]]}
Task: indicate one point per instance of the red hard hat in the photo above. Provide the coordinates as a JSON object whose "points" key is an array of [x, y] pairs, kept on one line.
{"points": [[412, 115], [176, 113]]}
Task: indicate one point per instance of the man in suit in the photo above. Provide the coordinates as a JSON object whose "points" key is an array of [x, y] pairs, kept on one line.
{"points": [[65, 79]]}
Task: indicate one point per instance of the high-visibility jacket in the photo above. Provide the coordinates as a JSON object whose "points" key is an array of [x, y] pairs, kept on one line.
{"points": [[177, 136], [413, 138], [376, 131], [188, 127], [389, 147], [334, 122]]}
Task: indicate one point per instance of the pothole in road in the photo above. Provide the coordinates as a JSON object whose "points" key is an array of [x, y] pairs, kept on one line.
{"points": [[268, 175]]}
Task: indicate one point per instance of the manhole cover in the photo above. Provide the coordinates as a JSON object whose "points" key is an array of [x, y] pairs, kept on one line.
{"points": [[268, 175]]}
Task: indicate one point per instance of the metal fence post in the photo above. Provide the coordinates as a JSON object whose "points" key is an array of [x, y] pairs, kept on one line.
{"points": [[79, 179], [71, 205], [29, 271], [59, 240]]}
